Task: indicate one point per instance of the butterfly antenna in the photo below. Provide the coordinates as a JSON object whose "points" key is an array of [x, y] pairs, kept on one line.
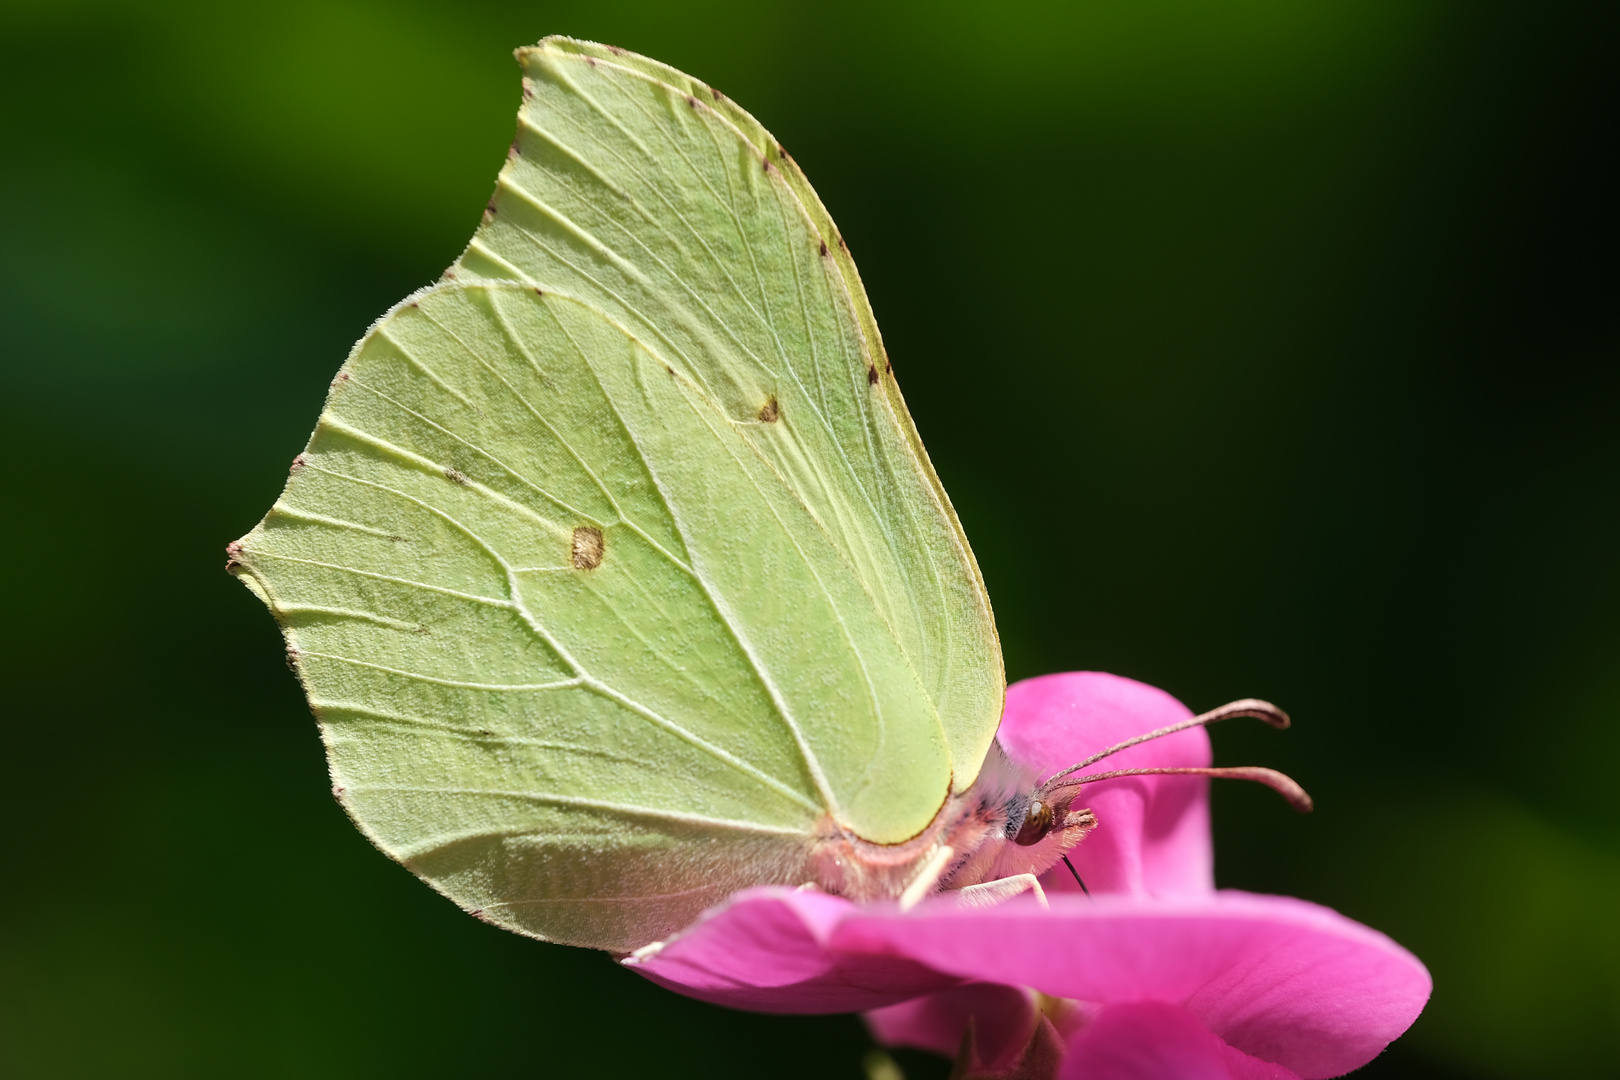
{"points": [[1076, 874], [1261, 710], [1281, 783]]}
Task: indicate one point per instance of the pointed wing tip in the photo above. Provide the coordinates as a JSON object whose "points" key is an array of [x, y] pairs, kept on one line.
{"points": [[548, 43], [238, 557], [564, 43]]}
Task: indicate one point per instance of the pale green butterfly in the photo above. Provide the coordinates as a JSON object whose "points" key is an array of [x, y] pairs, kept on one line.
{"points": [[615, 570]]}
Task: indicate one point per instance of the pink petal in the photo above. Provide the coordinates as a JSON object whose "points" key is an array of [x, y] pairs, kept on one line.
{"points": [[1277, 978], [766, 949], [1003, 1020], [1152, 836], [1153, 1041]]}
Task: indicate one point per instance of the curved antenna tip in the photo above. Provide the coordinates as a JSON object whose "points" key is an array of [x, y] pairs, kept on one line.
{"points": [[1260, 710]]}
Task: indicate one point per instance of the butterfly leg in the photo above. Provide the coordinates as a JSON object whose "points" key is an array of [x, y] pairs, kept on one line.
{"points": [[991, 893], [927, 879]]}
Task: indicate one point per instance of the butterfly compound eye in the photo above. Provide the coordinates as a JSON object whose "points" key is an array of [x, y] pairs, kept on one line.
{"points": [[1037, 823]]}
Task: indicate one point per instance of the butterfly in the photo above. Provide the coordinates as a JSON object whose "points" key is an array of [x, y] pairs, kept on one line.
{"points": [[615, 571]]}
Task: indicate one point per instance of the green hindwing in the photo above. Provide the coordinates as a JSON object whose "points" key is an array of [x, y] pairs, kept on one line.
{"points": [[615, 571]]}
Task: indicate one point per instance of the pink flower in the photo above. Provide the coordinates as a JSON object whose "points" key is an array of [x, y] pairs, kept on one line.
{"points": [[1155, 974]]}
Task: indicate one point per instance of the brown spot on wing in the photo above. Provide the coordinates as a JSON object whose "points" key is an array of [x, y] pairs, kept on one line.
{"points": [[455, 477], [770, 412], [871, 375], [589, 547]]}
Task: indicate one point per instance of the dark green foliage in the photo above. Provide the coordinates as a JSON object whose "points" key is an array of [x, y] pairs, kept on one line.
{"points": [[1262, 354]]}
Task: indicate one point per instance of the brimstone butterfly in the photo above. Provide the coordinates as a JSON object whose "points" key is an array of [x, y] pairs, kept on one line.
{"points": [[615, 570]]}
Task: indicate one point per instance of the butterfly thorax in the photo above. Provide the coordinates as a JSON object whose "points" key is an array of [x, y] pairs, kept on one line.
{"points": [[1000, 827]]}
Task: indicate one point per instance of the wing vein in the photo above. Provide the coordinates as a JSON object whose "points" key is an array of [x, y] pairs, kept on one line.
{"points": [[627, 809], [474, 598], [424, 462], [417, 676]]}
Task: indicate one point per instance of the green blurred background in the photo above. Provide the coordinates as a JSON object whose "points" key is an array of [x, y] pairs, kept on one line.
{"points": [[1266, 347]]}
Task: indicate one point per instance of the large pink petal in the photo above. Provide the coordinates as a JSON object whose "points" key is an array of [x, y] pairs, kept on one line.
{"points": [[1154, 1041], [766, 949], [1152, 836], [1003, 1020], [1277, 978]]}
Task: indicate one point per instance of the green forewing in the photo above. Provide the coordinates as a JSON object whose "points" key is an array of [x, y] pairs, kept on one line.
{"points": [[658, 200], [620, 543]]}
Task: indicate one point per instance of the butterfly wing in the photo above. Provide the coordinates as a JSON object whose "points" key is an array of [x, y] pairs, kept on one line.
{"points": [[660, 201], [603, 611]]}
